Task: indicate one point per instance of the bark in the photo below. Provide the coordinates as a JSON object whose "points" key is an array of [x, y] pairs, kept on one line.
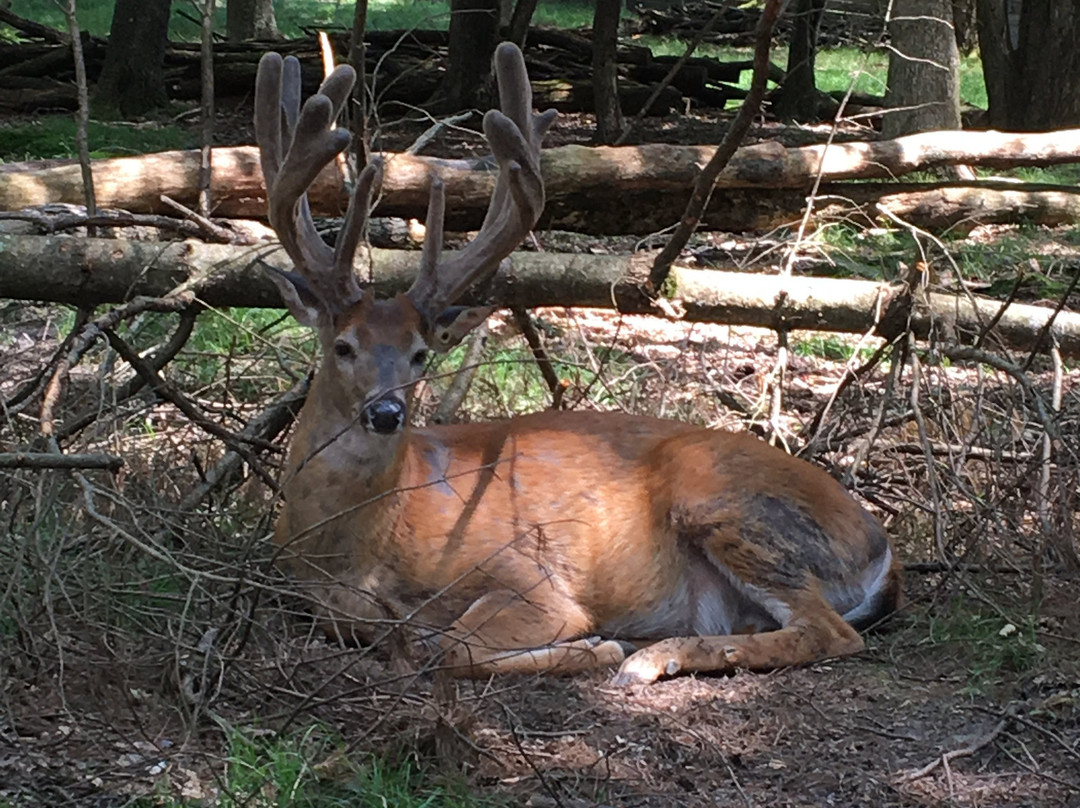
{"points": [[798, 96], [132, 80], [924, 69], [578, 179], [250, 19], [1047, 67], [518, 29], [605, 78], [1030, 62], [84, 271], [964, 25], [996, 47], [474, 32]]}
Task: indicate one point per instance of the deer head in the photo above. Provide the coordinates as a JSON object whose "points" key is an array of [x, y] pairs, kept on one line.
{"points": [[375, 350]]}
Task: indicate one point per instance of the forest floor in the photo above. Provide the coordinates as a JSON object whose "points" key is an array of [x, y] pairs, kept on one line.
{"points": [[95, 711]]}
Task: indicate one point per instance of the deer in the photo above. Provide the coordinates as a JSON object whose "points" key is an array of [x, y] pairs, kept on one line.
{"points": [[557, 542]]}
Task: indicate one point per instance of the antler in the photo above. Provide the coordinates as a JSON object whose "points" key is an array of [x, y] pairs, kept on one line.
{"points": [[294, 146], [515, 136]]}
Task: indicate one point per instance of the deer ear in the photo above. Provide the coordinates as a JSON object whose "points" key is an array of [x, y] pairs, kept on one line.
{"points": [[454, 324], [299, 297]]}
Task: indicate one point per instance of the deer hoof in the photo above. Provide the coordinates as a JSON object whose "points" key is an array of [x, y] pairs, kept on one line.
{"points": [[642, 668]]}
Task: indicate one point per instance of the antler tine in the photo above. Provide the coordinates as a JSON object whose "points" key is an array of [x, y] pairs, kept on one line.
{"points": [[291, 95], [367, 186], [433, 227], [515, 91], [295, 144], [268, 106], [515, 136]]}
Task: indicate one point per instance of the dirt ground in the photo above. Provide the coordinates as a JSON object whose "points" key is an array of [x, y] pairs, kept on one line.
{"points": [[93, 715]]}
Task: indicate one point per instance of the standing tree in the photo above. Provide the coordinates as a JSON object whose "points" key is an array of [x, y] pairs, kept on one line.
{"points": [[964, 23], [474, 33], [605, 78], [1031, 63], [518, 27], [132, 80], [798, 96], [250, 19], [924, 69]]}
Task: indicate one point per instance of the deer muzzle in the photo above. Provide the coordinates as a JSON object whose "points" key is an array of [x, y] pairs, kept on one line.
{"points": [[385, 415]]}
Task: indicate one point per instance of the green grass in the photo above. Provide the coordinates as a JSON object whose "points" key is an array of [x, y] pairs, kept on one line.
{"points": [[987, 645], [54, 136], [233, 344], [314, 770], [837, 68], [509, 382], [1052, 175], [827, 346]]}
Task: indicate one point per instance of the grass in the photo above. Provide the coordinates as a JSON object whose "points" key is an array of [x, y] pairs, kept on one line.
{"points": [[314, 770], [229, 346], [988, 645], [828, 346], [53, 136], [508, 382], [837, 69]]}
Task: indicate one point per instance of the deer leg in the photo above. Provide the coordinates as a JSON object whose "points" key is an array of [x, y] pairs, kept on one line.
{"points": [[808, 637], [505, 632]]}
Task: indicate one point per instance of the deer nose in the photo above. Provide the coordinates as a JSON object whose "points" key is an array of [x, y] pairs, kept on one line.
{"points": [[384, 415]]}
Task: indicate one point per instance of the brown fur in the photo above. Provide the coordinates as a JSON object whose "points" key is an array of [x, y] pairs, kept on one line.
{"points": [[511, 544], [529, 533]]}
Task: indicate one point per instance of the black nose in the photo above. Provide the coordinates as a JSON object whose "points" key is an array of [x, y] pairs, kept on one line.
{"points": [[383, 415]]}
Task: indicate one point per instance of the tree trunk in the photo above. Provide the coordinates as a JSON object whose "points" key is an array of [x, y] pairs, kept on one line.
{"points": [[1047, 78], [519, 21], [250, 19], [1030, 63], [581, 180], [132, 80], [798, 96], [474, 33], [136, 183], [997, 47], [964, 25], [86, 272], [924, 69], [609, 119]]}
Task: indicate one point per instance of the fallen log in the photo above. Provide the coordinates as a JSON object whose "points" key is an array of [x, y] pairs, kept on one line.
{"points": [[86, 271], [626, 189]]}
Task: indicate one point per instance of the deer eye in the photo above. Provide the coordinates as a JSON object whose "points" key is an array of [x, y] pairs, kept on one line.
{"points": [[343, 349], [420, 357]]}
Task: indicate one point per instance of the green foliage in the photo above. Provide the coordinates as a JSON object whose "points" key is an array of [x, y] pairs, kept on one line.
{"points": [[314, 770], [837, 69], [826, 346], [54, 136], [508, 381], [987, 645], [972, 82], [1051, 175], [230, 344], [859, 252]]}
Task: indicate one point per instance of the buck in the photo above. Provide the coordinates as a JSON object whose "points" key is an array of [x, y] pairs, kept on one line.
{"points": [[554, 542]]}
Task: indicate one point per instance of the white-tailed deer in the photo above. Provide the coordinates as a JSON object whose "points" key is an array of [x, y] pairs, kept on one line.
{"points": [[560, 541]]}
